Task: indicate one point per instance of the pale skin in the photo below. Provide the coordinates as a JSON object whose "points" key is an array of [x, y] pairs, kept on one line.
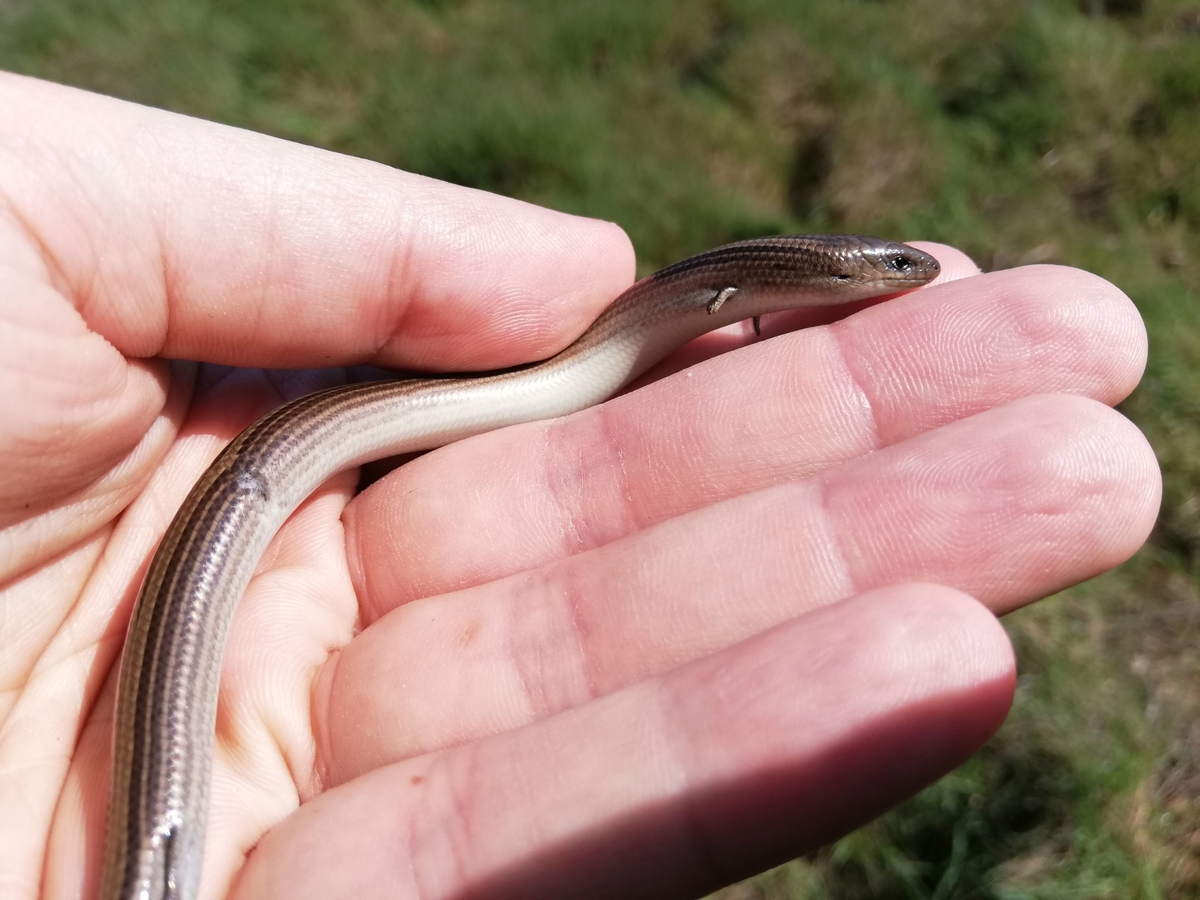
{"points": [[641, 651]]}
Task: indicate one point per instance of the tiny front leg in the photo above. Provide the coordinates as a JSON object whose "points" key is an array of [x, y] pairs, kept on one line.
{"points": [[718, 301]]}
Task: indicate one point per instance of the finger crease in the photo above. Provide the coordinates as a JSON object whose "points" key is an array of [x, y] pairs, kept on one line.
{"points": [[835, 332]]}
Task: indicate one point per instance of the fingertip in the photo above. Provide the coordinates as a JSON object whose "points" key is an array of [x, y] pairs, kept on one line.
{"points": [[960, 640], [1132, 482], [1084, 442], [842, 713], [490, 281], [600, 256], [1098, 310], [955, 264], [608, 243], [957, 348]]}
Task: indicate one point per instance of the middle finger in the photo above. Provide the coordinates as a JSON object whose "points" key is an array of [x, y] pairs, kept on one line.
{"points": [[1009, 505]]}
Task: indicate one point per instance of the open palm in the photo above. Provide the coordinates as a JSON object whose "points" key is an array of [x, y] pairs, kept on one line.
{"points": [[644, 650]]}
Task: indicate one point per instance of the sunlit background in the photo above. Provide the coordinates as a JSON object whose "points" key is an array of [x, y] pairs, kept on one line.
{"points": [[1021, 131]]}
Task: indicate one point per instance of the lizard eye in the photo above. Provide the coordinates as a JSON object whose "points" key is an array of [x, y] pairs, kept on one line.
{"points": [[901, 263], [842, 277]]}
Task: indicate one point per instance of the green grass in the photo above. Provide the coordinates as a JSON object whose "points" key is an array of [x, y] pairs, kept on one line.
{"points": [[1020, 131]]}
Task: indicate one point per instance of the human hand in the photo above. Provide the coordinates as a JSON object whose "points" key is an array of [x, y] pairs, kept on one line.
{"points": [[644, 650]]}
